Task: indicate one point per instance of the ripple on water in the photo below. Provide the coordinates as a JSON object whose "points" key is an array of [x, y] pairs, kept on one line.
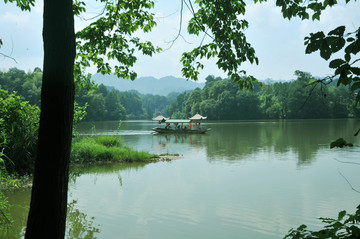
{"points": [[122, 132]]}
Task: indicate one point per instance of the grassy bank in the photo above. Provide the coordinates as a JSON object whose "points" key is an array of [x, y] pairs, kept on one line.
{"points": [[107, 149]]}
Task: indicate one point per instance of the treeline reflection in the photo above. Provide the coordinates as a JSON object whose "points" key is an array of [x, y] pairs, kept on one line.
{"points": [[238, 140], [78, 224]]}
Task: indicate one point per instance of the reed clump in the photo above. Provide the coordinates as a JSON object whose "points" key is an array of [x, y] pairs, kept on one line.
{"points": [[107, 148]]}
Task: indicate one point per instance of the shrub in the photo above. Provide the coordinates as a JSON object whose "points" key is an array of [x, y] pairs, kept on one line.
{"points": [[19, 123]]}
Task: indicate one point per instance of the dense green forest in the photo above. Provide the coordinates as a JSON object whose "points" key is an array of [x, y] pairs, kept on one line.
{"points": [[102, 103], [220, 99]]}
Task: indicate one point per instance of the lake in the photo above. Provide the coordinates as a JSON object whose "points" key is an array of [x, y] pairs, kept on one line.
{"points": [[243, 179]]}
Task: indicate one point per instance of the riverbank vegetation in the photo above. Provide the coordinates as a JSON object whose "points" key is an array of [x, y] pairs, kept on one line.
{"points": [[107, 148]]}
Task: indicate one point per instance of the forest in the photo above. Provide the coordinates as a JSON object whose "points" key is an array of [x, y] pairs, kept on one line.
{"points": [[220, 99]]}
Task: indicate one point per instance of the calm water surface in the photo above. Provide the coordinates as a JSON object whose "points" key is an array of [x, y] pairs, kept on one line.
{"points": [[244, 179]]}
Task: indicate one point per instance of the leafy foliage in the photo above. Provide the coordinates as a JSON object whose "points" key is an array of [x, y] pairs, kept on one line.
{"points": [[345, 226], [92, 103], [346, 69], [24, 5], [27, 85], [220, 20], [5, 219], [223, 99], [19, 118], [110, 36], [19, 122]]}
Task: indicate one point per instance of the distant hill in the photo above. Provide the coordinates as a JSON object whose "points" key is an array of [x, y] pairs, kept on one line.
{"points": [[148, 85]]}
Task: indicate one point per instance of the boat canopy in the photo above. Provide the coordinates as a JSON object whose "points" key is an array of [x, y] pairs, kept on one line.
{"points": [[160, 118], [184, 121], [198, 117]]}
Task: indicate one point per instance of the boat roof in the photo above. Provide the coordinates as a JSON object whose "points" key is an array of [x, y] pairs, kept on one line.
{"points": [[178, 121], [198, 117], [159, 117]]}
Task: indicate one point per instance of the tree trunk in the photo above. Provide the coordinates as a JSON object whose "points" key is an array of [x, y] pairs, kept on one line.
{"points": [[47, 216]]}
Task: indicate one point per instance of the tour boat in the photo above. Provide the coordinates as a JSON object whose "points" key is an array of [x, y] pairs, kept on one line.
{"points": [[188, 126]]}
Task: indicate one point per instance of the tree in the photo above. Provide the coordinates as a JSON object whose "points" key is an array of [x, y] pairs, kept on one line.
{"points": [[96, 110], [192, 104], [114, 109], [47, 215], [133, 105]]}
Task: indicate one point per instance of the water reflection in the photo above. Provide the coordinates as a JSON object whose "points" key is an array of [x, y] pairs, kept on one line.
{"points": [[241, 140], [135, 127], [97, 170], [78, 224], [195, 141], [19, 201], [257, 193]]}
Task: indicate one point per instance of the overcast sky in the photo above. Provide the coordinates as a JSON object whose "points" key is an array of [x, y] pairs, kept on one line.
{"points": [[279, 43]]}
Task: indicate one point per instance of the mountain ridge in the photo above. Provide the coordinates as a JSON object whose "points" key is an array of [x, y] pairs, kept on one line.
{"points": [[148, 84]]}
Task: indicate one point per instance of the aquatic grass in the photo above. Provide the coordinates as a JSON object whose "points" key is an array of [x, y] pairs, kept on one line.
{"points": [[107, 148], [109, 141]]}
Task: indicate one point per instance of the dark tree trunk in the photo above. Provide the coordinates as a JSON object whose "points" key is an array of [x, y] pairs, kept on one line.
{"points": [[48, 205]]}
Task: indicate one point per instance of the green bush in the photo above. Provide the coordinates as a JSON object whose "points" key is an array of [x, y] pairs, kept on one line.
{"points": [[106, 148], [19, 123]]}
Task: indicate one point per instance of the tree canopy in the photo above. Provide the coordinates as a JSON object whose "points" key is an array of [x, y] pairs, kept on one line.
{"points": [[109, 42], [222, 99]]}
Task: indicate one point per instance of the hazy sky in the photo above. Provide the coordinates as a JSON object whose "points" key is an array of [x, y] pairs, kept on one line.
{"points": [[278, 43]]}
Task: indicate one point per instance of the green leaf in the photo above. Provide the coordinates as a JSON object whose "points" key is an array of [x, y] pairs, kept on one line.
{"points": [[347, 57], [355, 86], [336, 63], [339, 31], [337, 44], [325, 53], [316, 16], [341, 215], [302, 227], [355, 70]]}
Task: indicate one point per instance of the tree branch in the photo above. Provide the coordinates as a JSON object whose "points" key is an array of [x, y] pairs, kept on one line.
{"points": [[191, 8], [180, 26], [346, 162], [6, 56], [348, 182], [98, 15]]}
